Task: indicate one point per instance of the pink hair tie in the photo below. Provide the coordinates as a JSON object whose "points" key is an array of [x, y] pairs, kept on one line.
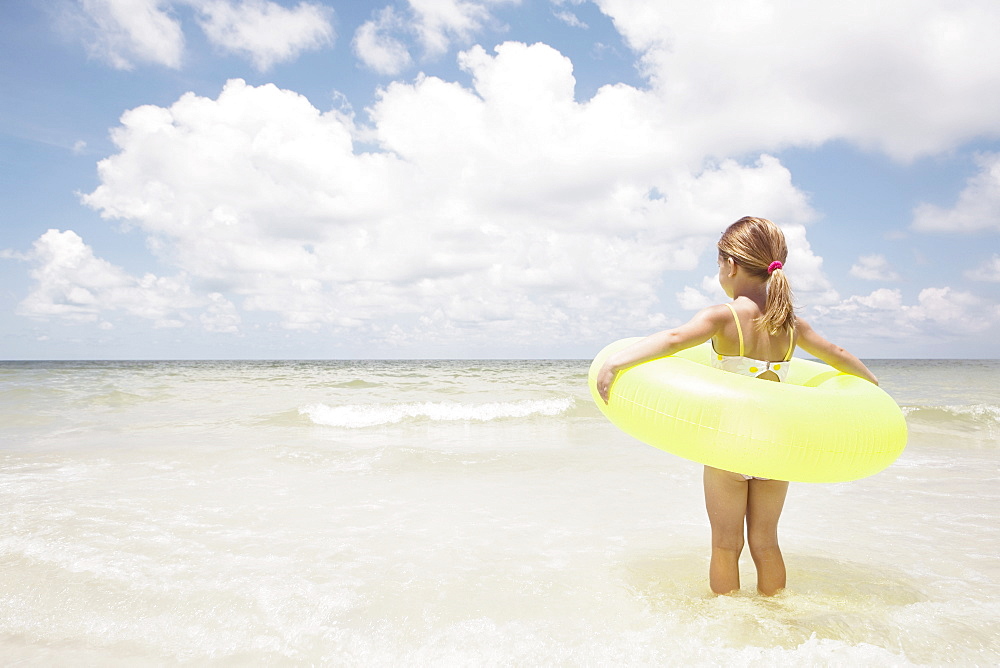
{"points": [[773, 266]]}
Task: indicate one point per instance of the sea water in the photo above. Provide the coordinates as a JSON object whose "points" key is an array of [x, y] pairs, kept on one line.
{"points": [[478, 513]]}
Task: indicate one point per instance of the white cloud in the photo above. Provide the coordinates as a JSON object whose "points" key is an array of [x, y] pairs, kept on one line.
{"points": [[908, 77], [569, 18], [381, 43], [505, 210], [126, 32], [265, 32], [884, 314], [440, 22], [977, 208], [375, 45], [220, 315], [873, 268], [122, 32], [805, 269], [988, 271], [953, 310], [691, 299], [882, 299], [72, 283]]}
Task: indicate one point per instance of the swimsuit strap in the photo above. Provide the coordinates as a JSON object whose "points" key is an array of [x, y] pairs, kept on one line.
{"points": [[739, 331], [739, 328]]}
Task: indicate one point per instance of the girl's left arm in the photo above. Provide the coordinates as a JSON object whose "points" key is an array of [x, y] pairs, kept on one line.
{"points": [[698, 329]]}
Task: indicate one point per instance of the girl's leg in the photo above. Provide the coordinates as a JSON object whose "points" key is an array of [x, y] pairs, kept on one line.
{"points": [[765, 500], [726, 502]]}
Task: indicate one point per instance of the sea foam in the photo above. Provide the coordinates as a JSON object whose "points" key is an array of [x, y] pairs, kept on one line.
{"points": [[975, 417], [372, 415]]}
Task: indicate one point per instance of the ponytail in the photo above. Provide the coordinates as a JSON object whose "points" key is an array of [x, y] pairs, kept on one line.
{"points": [[758, 245], [779, 313]]}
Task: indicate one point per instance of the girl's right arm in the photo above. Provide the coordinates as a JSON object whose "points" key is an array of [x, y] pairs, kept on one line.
{"points": [[841, 360], [699, 329]]}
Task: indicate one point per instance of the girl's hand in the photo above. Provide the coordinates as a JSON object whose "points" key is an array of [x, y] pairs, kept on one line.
{"points": [[605, 378]]}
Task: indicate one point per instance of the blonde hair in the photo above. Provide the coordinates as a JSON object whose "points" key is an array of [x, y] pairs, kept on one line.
{"points": [[755, 244]]}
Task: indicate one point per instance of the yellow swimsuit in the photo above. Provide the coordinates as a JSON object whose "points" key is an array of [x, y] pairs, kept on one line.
{"points": [[746, 366]]}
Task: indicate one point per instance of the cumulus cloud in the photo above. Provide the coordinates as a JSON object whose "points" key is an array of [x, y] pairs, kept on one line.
{"points": [[937, 312], [988, 271], [873, 268], [908, 77], [977, 208], [502, 209], [381, 43], [265, 32], [73, 284], [506, 207], [123, 32]]}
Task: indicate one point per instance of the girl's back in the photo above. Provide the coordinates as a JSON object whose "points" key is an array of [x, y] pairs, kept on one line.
{"points": [[757, 344]]}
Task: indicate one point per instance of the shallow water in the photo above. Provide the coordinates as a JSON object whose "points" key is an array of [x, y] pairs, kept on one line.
{"points": [[459, 513]]}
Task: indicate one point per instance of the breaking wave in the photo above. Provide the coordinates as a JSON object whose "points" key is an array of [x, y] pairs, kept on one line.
{"points": [[371, 415], [971, 418]]}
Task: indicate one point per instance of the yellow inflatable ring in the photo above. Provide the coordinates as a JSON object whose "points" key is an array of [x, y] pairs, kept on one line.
{"points": [[819, 425]]}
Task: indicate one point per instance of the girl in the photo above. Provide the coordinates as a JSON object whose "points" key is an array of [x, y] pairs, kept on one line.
{"points": [[753, 335]]}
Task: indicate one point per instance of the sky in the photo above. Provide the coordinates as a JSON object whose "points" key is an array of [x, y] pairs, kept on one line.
{"points": [[321, 179]]}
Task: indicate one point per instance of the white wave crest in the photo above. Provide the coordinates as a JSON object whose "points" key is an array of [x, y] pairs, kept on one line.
{"points": [[371, 415], [986, 414]]}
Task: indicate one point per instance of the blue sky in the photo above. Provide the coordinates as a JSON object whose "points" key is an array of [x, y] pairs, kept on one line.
{"points": [[488, 178]]}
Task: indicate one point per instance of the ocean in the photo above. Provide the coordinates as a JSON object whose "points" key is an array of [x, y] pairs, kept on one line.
{"points": [[460, 513]]}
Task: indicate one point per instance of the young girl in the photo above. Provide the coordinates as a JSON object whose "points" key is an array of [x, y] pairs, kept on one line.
{"points": [[753, 335]]}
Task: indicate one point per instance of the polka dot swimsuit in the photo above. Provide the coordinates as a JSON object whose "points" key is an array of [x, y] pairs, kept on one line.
{"points": [[746, 366]]}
